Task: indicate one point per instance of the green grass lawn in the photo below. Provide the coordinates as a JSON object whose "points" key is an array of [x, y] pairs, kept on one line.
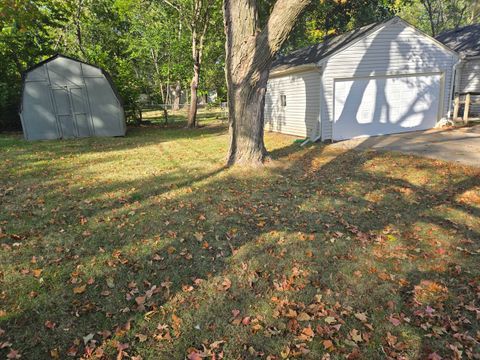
{"points": [[147, 247]]}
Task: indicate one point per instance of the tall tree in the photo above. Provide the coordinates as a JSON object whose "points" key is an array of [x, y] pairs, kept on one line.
{"points": [[250, 50], [197, 16]]}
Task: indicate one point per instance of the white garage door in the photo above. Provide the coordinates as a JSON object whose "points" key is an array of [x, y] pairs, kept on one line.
{"points": [[385, 105]]}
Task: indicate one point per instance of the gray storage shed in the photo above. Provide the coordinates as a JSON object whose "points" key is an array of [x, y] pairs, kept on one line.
{"points": [[66, 98], [383, 78]]}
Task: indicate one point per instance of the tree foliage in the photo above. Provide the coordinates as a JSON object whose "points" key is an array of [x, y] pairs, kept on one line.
{"points": [[27, 32], [436, 16], [333, 17]]}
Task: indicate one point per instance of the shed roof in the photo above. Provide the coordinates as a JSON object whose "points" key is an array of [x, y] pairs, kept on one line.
{"points": [[314, 53], [464, 40], [57, 55]]}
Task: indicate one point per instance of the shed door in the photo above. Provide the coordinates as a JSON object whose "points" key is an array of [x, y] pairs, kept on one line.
{"points": [[71, 111], [386, 105], [64, 112], [79, 110]]}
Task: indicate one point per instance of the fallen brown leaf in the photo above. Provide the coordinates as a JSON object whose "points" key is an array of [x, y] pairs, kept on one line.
{"points": [[80, 289]]}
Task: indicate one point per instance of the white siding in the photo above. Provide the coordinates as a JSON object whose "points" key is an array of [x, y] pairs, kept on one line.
{"points": [[394, 49], [300, 116], [470, 80]]}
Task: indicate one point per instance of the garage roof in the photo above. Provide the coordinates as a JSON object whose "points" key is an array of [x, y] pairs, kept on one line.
{"points": [[464, 40]]}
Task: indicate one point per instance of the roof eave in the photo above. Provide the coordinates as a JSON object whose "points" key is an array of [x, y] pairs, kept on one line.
{"points": [[294, 69]]}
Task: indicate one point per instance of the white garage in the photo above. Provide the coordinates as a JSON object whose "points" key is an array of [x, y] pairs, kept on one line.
{"points": [[380, 79]]}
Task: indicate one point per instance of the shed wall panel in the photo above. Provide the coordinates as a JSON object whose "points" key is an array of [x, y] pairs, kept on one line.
{"points": [[38, 74], [106, 111], [64, 72], [91, 71], [38, 115]]}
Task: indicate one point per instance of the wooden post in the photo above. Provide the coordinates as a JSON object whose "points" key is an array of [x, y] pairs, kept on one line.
{"points": [[467, 108], [456, 107]]}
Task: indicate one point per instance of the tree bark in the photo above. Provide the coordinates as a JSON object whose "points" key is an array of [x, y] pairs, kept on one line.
{"points": [[428, 5], [192, 114], [79, 28], [158, 78], [249, 55], [178, 95]]}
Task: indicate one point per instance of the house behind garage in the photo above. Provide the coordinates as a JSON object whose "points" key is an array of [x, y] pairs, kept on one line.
{"points": [[66, 98], [466, 42], [380, 79]]}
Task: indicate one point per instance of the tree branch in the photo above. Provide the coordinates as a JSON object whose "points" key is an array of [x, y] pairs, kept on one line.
{"points": [[281, 21]]}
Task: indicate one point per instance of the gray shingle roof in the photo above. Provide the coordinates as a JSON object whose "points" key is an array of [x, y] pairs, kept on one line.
{"points": [[313, 54], [464, 40]]}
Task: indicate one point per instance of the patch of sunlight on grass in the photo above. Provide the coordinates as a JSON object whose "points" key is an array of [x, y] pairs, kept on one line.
{"points": [[470, 197], [460, 216]]}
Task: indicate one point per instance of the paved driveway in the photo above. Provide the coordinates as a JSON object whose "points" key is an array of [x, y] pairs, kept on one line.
{"points": [[458, 145]]}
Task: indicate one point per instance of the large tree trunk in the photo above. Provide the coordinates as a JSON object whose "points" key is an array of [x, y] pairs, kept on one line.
{"points": [[249, 55], [246, 113], [192, 114]]}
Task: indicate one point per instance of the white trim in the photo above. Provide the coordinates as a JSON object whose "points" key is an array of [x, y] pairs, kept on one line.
{"points": [[294, 69], [320, 106], [393, 73]]}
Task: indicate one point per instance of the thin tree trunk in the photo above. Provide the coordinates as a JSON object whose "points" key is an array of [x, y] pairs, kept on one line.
{"points": [[249, 54], [157, 78], [192, 114], [429, 8], [165, 112], [178, 94], [79, 29]]}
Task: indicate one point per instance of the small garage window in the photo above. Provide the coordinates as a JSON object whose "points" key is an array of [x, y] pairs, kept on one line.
{"points": [[283, 100]]}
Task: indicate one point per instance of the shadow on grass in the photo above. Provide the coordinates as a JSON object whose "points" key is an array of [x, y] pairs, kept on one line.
{"points": [[280, 233]]}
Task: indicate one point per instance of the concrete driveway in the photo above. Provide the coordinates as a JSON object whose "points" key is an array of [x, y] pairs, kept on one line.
{"points": [[460, 145]]}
